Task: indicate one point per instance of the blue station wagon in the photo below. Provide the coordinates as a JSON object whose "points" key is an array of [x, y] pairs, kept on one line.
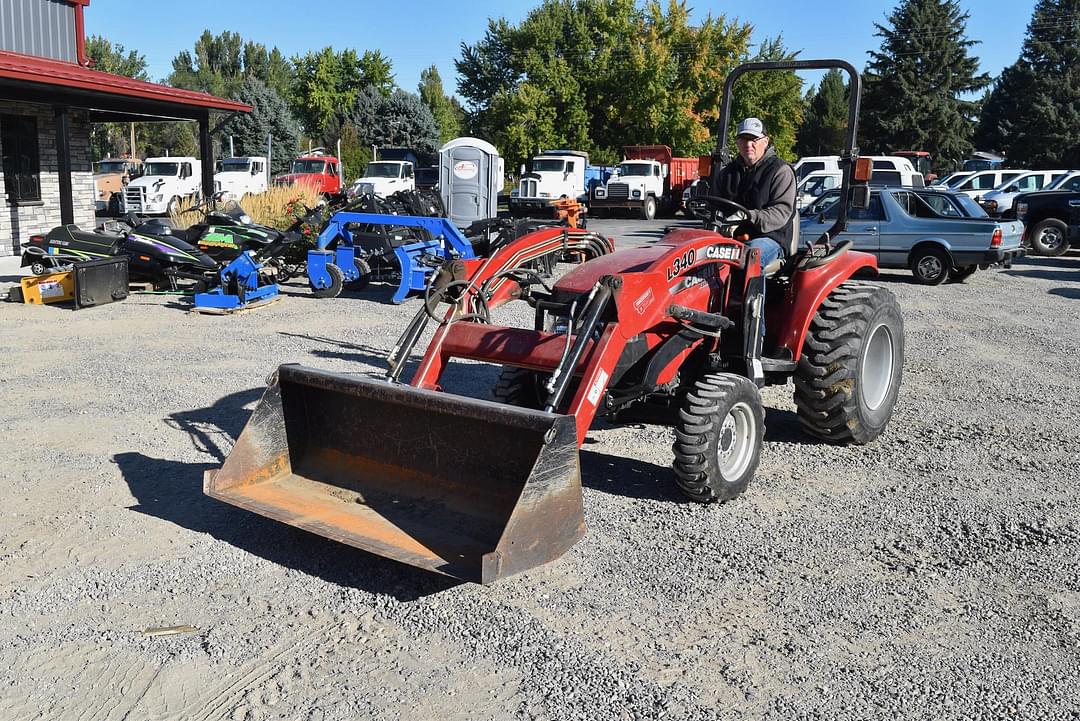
{"points": [[938, 234]]}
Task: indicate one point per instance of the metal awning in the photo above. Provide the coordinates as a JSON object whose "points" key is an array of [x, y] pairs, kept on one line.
{"points": [[108, 97]]}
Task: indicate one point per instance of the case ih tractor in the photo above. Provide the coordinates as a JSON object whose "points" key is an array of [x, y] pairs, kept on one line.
{"points": [[481, 489]]}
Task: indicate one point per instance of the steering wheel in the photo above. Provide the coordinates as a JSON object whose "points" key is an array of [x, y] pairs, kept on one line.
{"points": [[729, 207]]}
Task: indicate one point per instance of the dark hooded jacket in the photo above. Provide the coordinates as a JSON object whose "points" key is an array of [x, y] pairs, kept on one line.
{"points": [[766, 189]]}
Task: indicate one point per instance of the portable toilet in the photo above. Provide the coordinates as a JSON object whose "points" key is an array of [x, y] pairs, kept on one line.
{"points": [[470, 180]]}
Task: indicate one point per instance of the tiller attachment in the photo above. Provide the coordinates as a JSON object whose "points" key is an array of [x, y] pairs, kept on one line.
{"points": [[469, 488]]}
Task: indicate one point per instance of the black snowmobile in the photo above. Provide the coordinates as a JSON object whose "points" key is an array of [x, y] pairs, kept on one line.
{"points": [[154, 253]]}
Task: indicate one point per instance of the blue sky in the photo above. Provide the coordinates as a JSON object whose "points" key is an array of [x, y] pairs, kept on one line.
{"points": [[416, 34]]}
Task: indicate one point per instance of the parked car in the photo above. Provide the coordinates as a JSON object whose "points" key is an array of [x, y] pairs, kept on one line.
{"points": [[978, 184], [953, 179], [938, 234], [999, 201], [1068, 181], [1051, 219], [816, 164]]}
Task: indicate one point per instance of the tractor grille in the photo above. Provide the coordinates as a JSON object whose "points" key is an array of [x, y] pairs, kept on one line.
{"points": [[134, 198], [528, 188], [618, 191]]}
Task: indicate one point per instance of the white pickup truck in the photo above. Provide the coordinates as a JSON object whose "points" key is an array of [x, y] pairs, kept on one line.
{"points": [[239, 176], [383, 177], [163, 184]]}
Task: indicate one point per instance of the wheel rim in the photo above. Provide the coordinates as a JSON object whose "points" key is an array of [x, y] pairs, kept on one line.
{"points": [[735, 443], [930, 267], [876, 369], [1050, 238]]}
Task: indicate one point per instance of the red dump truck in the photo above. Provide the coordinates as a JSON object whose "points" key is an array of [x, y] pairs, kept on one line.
{"points": [[649, 180]]}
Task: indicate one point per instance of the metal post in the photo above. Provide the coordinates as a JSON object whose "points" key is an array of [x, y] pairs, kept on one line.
{"points": [[206, 152], [63, 166], [269, 157]]}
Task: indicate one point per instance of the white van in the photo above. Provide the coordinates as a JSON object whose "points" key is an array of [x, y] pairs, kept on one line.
{"points": [[978, 184], [815, 164], [893, 171]]}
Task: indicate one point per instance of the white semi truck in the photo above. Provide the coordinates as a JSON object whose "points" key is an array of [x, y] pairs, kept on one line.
{"points": [[553, 174], [163, 184], [238, 176]]}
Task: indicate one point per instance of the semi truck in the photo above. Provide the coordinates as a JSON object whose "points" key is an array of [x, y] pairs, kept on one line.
{"points": [[315, 168], [237, 177], [648, 181], [163, 184], [552, 174]]}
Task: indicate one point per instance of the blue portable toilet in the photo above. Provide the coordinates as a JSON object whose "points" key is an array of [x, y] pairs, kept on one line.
{"points": [[470, 180]]}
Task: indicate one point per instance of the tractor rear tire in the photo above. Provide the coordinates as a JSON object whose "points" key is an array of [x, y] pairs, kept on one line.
{"points": [[337, 281], [718, 438], [517, 387], [1050, 238], [852, 362]]}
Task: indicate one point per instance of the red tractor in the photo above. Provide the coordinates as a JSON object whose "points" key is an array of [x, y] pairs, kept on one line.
{"points": [[481, 490]]}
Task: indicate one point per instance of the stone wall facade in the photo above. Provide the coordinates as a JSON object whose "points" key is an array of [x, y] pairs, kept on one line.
{"points": [[19, 222]]}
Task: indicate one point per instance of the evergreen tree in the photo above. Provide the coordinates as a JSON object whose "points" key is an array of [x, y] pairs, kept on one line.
{"points": [[269, 117], [448, 114], [915, 84], [825, 125], [1033, 112]]}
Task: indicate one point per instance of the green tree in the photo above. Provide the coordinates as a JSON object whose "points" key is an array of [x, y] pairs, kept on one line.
{"points": [[268, 118], [108, 139], [448, 114], [915, 85], [328, 82], [774, 96], [599, 74], [825, 125], [1033, 111]]}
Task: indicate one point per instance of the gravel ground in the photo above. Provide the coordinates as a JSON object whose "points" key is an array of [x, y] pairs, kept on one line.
{"points": [[931, 574]]}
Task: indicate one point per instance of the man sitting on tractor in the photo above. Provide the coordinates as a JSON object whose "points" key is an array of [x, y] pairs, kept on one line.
{"points": [[759, 180]]}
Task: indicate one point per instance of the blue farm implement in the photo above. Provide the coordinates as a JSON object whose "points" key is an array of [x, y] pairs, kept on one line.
{"points": [[243, 285], [346, 253]]}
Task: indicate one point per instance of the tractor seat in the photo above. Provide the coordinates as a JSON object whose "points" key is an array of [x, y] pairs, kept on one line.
{"points": [[774, 267]]}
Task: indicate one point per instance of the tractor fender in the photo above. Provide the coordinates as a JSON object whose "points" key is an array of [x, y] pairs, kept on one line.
{"points": [[808, 290]]}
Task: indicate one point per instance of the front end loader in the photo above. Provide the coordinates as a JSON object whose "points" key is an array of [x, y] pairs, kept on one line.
{"points": [[481, 489]]}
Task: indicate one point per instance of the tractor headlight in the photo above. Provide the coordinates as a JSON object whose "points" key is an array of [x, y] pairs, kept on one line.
{"points": [[637, 193]]}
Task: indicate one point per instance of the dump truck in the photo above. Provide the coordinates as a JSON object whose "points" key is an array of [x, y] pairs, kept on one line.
{"points": [[483, 489], [317, 169], [650, 180]]}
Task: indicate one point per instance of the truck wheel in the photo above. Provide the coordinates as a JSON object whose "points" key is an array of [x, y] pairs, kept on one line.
{"points": [[930, 265], [849, 374], [718, 438], [337, 280], [648, 208], [1049, 237], [517, 387], [959, 275]]}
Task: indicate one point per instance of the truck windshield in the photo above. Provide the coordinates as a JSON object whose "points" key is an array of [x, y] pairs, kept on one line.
{"points": [[816, 185], [633, 169], [162, 169], [547, 165], [111, 167], [308, 166], [235, 166], [382, 170]]}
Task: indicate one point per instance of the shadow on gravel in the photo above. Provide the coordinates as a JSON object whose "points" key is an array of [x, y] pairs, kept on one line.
{"points": [[629, 477], [348, 351], [782, 426], [172, 491], [1073, 293], [10, 278], [1059, 269]]}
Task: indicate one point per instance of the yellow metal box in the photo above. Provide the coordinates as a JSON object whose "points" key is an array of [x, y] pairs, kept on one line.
{"points": [[49, 288]]}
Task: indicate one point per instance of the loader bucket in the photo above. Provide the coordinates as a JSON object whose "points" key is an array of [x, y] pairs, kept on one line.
{"points": [[468, 488]]}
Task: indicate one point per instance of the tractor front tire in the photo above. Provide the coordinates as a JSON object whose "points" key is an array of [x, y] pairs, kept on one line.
{"points": [[337, 281], [517, 387], [852, 362], [718, 438], [648, 208], [1050, 238]]}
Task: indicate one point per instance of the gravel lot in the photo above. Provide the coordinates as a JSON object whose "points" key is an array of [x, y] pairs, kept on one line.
{"points": [[934, 574]]}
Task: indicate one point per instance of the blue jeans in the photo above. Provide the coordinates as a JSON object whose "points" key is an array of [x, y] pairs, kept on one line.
{"points": [[770, 251]]}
